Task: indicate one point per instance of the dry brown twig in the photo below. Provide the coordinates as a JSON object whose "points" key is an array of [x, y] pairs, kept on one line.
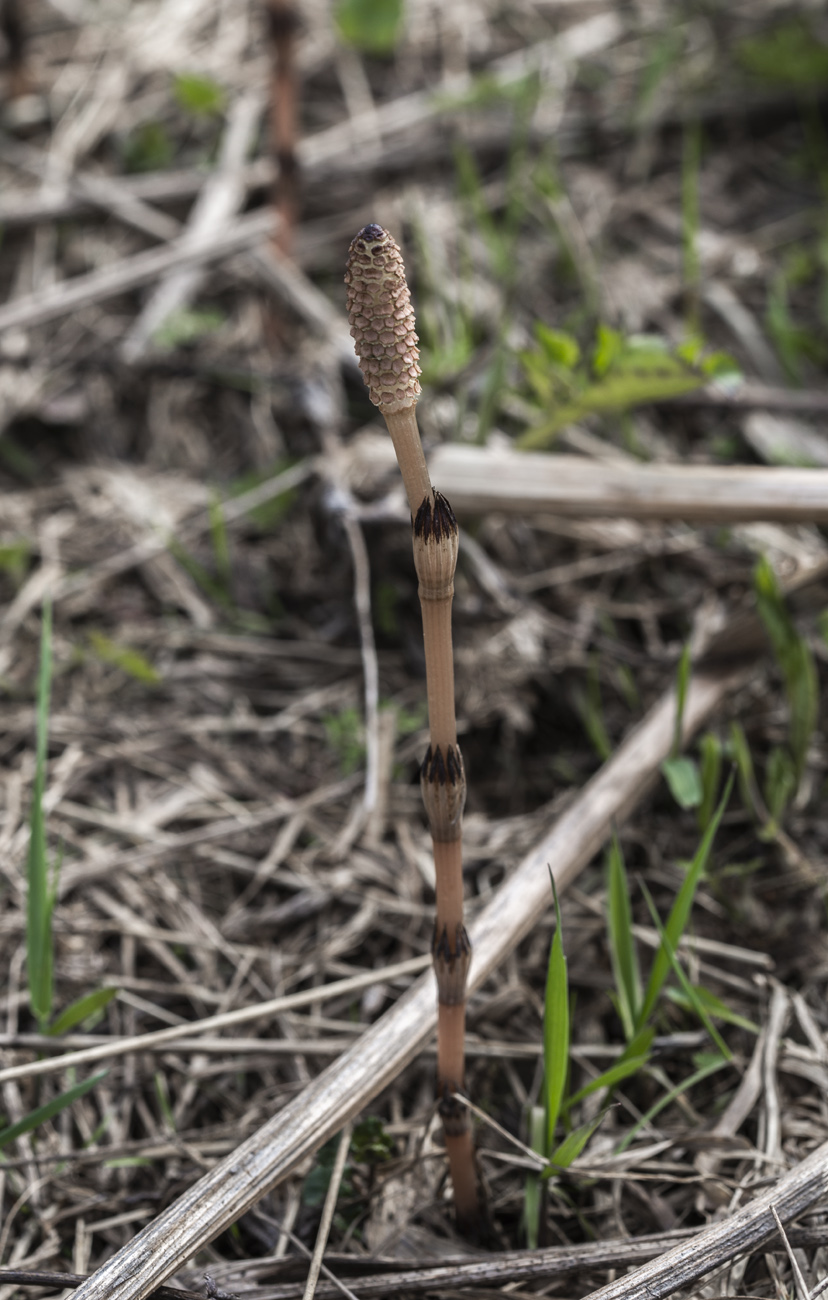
{"points": [[382, 324]]}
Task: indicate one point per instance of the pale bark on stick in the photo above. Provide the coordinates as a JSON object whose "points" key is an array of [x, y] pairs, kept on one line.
{"points": [[476, 479], [746, 1230], [480, 479], [130, 273], [213, 212], [238, 1182]]}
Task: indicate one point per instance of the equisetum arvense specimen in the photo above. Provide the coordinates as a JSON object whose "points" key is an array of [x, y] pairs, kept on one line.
{"points": [[382, 325]]}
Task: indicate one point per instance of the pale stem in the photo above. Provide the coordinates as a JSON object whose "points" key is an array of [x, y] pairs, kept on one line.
{"points": [[448, 869], [439, 658], [405, 435], [460, 1151], [451, 1044]]}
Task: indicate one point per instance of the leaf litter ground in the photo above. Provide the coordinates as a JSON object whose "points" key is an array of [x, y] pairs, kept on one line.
{"points": [[207, 738]]}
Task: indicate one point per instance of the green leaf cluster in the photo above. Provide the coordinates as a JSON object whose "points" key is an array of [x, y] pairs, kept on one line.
{"points": [[346, 737], [372, 26], [623, 372], [198, 95], [636, 1003], [789, 54]]}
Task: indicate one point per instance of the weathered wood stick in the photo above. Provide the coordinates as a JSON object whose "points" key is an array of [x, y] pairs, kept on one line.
{"points": [[478, 479]]}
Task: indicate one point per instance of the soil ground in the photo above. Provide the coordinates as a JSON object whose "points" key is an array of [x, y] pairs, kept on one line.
{"points": [[601, 172]]}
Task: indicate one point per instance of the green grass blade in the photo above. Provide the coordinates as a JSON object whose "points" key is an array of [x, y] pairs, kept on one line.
{"points": [[683, 672], [623, 952], [710, 766], [51, 1108], [687, 988], [680, 913], [533, 1193], [713, 1006], [555, 1027], [795, 661], [40, 898], [710, 1067], [614, 1075], [572, 1146], [81, 1010]]}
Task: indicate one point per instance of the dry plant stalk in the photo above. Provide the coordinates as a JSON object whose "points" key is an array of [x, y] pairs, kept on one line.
{"points": [[382, 325], [283, 22]]}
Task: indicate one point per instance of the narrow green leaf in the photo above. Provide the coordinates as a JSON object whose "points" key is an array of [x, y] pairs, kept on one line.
{"points": [[795, 661], [684, 779], [370, 25], [221, 544], [680, 912], [533, 1192], [639, 1044], [81, 1010], [130, 661], [683, 672], [572, 1146], [780, 782], [710, 768], [614, 1075], [687, 987], [51, 1108], [712, 1005], [40, 898], [198, 95], [710, 1067], [623, 952], [740, 749], [555, 1027]]}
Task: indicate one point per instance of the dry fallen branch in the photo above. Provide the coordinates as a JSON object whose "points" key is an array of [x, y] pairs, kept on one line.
{"points": [[477, 479], [132, 272], [743, 1232], [397, 1276]]}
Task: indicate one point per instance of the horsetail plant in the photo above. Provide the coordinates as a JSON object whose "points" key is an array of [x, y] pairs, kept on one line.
{"points": [[382, 326]]}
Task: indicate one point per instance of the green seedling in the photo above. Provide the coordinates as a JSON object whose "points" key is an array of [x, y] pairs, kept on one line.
{"points": [[48, 1111], [346, 736], [795, 661], [186, 326], [636, 1004], [679, 916], [129, 661], [42, 880], [148, 148], [370, 1147], [221, 546], [710, 775], [14, 560], [690, 166], [556, 1104], [624, 373], [372, 26], [86, 1009], [789, 54], [590, 707], [681, 772], [198, 95]]}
